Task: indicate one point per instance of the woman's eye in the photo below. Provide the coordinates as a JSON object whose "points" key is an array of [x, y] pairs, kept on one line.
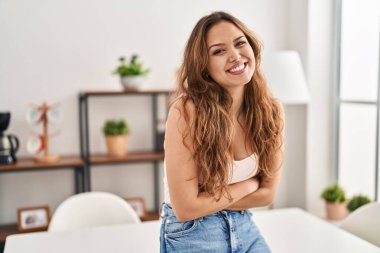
{"points": [[219, 51]]}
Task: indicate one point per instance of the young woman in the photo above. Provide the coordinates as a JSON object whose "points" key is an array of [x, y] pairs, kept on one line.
{"points": [[223, 143]]}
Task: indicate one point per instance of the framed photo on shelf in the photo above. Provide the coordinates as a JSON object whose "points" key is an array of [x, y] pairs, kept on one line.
{"points": [[138, 204], [32, 219]]}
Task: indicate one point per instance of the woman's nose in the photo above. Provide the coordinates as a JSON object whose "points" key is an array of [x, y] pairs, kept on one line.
{"points": [[235, 55]]}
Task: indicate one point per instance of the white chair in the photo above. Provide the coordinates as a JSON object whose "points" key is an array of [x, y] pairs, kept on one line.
{"points": [[92, 209], [364, 222]]}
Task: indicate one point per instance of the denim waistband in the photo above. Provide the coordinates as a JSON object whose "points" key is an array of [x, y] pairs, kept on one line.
{"points": [[167, 210]]}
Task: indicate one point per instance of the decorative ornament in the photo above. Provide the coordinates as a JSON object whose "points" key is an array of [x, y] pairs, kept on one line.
{"points": [[39, 143]]}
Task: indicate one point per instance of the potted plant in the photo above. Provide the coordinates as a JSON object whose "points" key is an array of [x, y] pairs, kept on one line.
{"points": [[335, 198], [357, 201], [116, 133], [131, 74]]}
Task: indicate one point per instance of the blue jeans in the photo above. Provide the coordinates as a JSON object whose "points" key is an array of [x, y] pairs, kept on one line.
{"points": [[224, 231]]}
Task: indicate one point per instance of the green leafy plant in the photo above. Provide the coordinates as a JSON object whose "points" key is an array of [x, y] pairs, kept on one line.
{"points": [[133, 68], [334, 193], [357, 201], [115, 127]]}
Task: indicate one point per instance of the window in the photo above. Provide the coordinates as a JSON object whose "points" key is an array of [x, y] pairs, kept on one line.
{"points": [[358, 97]]}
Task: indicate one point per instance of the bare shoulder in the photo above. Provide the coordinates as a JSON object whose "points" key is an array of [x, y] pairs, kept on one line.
{"points": [[181, 113], [180, 105]]}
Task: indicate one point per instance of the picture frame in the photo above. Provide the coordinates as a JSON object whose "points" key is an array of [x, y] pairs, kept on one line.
{"points": [[31, 219], [138, 204]]}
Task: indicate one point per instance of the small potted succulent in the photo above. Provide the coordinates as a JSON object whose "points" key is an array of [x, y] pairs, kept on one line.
{"points": [[131, 74], [357, 201], [116, 133], [335, 198]]}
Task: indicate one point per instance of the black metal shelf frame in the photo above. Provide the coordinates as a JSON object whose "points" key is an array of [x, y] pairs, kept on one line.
{"points": [[84, 132]]}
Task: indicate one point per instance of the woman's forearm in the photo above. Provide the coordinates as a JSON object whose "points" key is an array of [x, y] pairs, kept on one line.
{"points": [[261, 197], [238, 191], [205, 204], [264, 196]]}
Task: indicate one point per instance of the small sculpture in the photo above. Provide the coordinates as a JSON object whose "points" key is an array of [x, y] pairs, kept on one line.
{"points": [[43, 114]]}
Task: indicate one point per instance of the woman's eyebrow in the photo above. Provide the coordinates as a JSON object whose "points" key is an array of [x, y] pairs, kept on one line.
{"points": [[219, 44]]}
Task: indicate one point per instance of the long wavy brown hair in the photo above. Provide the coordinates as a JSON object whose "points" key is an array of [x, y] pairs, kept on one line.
{"points": [[211, 128]]}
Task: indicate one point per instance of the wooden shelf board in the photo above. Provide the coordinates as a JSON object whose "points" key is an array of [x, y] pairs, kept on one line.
{"points": [[8, 229], [151, 215], [141, 156], [123, 92], [25, 163]]}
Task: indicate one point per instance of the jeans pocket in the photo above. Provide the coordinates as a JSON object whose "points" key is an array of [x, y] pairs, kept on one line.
{"points": [[175, 228]]}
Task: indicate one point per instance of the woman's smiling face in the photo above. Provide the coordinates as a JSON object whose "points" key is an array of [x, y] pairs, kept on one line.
{"points": [[231, 59]]}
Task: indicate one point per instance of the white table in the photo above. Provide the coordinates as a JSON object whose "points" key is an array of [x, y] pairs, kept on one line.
{"points": [[289, 230]]}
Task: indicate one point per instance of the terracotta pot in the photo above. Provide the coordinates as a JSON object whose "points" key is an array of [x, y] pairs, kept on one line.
{"points": [[117, 145], [336, 211]]}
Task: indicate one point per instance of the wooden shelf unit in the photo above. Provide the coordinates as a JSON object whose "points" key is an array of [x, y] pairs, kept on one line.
{"points": [[131, 157], [125, 92], [153, 215], [24, 164], [27, 163], [83, 162], [154, 156], [7, 229], [75, 162]]}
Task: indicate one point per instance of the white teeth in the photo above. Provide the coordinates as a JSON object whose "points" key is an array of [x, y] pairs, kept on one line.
{"points": [[238, 68]]}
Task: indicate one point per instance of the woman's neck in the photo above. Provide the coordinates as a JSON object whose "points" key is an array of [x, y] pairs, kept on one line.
{"points": [[237, 94]]}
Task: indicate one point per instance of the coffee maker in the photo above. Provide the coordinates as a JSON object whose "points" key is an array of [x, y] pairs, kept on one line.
{"points": [[9, 144]]}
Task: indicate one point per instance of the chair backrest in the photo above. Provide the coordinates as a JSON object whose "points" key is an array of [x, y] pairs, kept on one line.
{"points": [[92, 209], [364, 222]]}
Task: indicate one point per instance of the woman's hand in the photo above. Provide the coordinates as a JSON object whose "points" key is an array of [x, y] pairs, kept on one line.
{"points": [[252, 185]]}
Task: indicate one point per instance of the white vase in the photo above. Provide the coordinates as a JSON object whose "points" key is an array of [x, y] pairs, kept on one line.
{"points": [[132, 82]]}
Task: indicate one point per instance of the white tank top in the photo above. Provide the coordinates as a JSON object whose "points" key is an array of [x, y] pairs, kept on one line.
{"points": [[241, 170]]}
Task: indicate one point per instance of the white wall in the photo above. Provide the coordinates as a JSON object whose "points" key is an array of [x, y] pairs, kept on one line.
{"points": [[309, 141], [320, 67], [50, 50], [292, 190]]}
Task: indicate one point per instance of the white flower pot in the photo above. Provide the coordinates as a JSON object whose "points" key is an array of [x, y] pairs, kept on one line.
{"points": [[132, 82]]}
